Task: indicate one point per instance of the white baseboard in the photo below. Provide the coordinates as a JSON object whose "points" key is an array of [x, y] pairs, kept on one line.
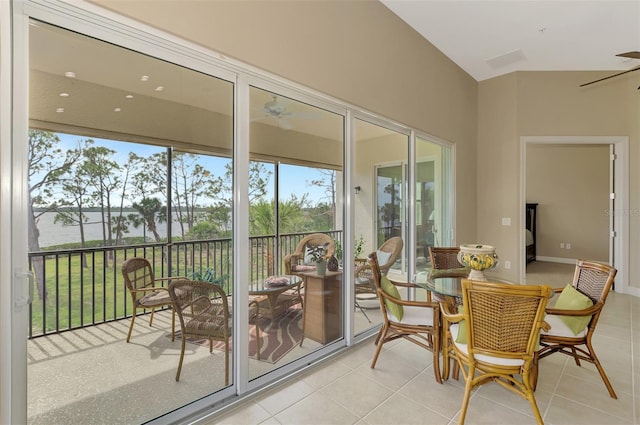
{"points": [[557, 260], [632, 291]]}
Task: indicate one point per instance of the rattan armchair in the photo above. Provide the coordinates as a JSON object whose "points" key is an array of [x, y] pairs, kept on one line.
{"points": [[593, 280], [502, 324], [419, 324], [145, 291], [294, 263]]}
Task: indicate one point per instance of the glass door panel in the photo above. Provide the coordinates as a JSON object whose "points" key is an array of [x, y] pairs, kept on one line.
{"points": [[380, 211], [433, 200], [105, 187], [303, 147]]}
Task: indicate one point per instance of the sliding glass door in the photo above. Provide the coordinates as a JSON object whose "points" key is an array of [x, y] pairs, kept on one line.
{"points": [[134, 162], [295, 196]]}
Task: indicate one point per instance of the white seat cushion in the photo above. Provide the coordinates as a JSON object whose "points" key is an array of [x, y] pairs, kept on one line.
{"points": [[414, 316], [559, 328], [482, 357]]}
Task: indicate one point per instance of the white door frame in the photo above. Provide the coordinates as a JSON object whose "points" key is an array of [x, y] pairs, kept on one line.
{"points": [[621, 201]]}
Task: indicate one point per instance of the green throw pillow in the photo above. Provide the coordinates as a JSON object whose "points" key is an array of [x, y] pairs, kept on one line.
{"points": [[571, 299], [461, 338], [390, 288]]}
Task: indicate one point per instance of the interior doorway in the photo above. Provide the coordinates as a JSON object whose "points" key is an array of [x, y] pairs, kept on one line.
{"points": [[607, 242]]}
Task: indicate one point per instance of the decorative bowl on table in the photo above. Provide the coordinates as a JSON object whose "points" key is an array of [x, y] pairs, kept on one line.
{"points": [[478, 258], [277, 281]]}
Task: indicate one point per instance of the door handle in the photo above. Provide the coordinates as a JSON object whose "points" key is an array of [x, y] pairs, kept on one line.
{"points": [[23, 294]]}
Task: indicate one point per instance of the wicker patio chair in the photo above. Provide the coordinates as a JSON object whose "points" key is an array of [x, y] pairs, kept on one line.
{"points": [[364, 282], [146, 293], [203, 310], [294, 263], [419, 321], [502, 324], [593, 280]]}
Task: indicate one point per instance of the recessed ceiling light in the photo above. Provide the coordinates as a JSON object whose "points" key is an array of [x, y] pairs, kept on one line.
{"points": [[117, 110], [59, 110], [70, 74], [159, 88], [129, 96], [64, 94], [144, 78]]}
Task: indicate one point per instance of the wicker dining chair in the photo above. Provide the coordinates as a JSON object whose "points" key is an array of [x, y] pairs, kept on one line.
{"points": [[204, 313], [444, 257], [593, 280], [502, 323], [145, 290], [419, 321]]}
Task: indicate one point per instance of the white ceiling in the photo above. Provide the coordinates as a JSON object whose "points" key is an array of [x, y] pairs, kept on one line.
{"points": [[488, 38]]}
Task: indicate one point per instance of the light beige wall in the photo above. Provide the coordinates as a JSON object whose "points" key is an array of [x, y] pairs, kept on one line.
{"points": [[357, 51], [548, 104], [570, 183], [497, 180]]}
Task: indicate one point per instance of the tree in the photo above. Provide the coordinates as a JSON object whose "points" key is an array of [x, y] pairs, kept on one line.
{"points": [[151, 210], [47, 163], [191, 183], [120, 222], [77, 196], [390, 211], [328, 183], [259, 179], [104, 175]]}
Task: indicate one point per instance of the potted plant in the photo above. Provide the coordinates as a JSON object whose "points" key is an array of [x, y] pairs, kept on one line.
{"points": [[358, 247], [319, 256]]}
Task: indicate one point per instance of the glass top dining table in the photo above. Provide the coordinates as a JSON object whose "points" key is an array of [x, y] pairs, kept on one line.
{"points": [[444, 284]]}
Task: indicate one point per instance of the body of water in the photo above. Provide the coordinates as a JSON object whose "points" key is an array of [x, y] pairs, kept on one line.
{"points": [[56, 234]]}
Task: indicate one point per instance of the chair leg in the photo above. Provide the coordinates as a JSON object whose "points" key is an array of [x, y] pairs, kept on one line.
{"points": [[257, 340], [226, 362], [533, 377], [173, 325], [181, 358], [603, 375], [133, 319], [435, 347], [380, 342], [304, 317], [362, 310], [379, 335], [534, 407], [153, 309], [467, 395]]}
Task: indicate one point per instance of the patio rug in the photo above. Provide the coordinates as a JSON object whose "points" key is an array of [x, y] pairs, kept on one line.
{"points": [[277, 339]]}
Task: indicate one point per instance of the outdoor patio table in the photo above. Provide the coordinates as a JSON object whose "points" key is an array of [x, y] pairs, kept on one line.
{"points": [[272, 287]]}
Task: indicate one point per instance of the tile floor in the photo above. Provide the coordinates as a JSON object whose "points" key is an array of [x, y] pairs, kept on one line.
{"points": [[402, 390]]}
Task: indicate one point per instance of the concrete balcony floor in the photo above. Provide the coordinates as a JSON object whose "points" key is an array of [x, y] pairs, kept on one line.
{"points": [[93, 376]]}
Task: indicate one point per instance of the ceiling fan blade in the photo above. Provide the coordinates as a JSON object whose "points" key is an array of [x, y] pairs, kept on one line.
{"points": [[610, 76], [632, 55]]}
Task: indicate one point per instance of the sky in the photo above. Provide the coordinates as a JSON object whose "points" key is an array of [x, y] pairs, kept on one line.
{"points": [[293, 179]]}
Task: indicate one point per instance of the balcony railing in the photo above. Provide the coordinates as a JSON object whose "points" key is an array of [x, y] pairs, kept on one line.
{"points": [[76, 288]]}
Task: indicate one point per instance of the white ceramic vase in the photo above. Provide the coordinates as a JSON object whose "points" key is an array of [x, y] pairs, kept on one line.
{"points": [[478, 258]]}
